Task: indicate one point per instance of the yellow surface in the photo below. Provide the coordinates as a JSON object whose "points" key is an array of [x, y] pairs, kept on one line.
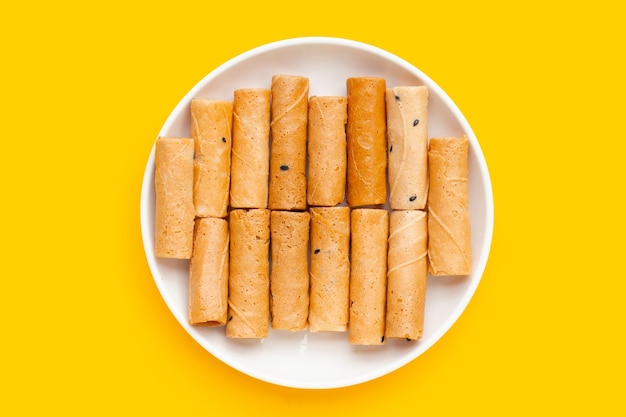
{"points": [[86, 87]]}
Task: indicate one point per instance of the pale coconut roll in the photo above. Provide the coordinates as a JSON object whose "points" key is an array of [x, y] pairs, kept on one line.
{"points": [[407, 145]]}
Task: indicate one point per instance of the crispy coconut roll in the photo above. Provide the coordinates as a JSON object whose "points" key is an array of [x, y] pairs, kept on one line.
{"points": [[289, 279], [249, 178], [174, 211], [366, 141], [290, 102], [330, 269], [407, 272], [211, 126], [249, 278], [449, 234], [407, 137], [368, 276]]}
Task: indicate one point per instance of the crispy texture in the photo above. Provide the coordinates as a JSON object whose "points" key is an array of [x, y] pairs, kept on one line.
{"points": [[407, 135], [174, 211], [368, 276], [366, 139], [289, 282], [330, 269], [249, 283], [326, 181], [407, 273], [449, 230], [208, 273], [290, 102], [250, 153], [211, 126]]}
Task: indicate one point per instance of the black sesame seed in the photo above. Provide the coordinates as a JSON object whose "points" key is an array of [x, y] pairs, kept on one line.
{"points": [[316, 251], [408, 340], [412, 198], [382, 339], [284, 167], [230, 318], [391, 148], [224, 140], [416, 122], [398, 98]]}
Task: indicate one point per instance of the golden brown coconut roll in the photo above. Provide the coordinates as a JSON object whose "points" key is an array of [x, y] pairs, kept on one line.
{"points": [[211, 126], [449, 234], [289, 280], [290, 101], [327, 150], [366, 139], [407, 272], [407, 134], [251, 148], [368, 276], [330, 269], [208, 273], [174, 211], [249, 279]]}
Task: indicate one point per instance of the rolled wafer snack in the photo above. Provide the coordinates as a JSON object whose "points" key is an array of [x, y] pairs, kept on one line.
{"points": [[208, 273], [290, 101], [368, 276], [449, 230], [174, 211], [249, 171], [326, 180], [407, 135], [249, 283], [407, 272], [211, 126], [330, 269], [366, 140], [289, 279]]}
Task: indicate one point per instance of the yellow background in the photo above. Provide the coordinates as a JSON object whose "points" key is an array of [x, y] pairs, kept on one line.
{"points": [[86, 87]]}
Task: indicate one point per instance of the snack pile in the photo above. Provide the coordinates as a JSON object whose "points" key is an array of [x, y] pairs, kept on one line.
{"points": [[318, 213]]}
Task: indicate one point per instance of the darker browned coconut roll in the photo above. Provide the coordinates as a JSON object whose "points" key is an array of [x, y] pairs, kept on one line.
{"points": [[249, 280], [367, 145], [368, 276], [449, 234], [290, 100], [289, 280]]}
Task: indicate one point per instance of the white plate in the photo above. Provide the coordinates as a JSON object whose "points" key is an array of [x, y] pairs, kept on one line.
{"points": [[320, 360]]}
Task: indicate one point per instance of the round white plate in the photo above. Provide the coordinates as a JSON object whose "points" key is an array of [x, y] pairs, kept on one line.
{"points": [[324, 360]]}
